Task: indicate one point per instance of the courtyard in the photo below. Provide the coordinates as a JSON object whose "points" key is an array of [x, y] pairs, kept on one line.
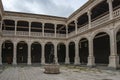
{"points": [[67, 73]]}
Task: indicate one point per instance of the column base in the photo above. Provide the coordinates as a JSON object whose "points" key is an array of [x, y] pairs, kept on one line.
{"points": [[43, 61], [77, 61], [91, 61], [0, 64], [14, 61], [56, 60], [67, 61], [29, 61], [114, 62], [0, 61]]}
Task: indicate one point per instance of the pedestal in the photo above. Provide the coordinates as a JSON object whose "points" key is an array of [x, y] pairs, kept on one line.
{"points": [[52, 69], [91, 61], [114, 62]]}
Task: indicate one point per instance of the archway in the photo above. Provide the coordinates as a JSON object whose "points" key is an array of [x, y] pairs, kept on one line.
{"points": [[83, 51], [71, 52], [61, 51], [49, 53], [101, 48], [118, 44], [22, 52], [36, 52], [7, 52]]}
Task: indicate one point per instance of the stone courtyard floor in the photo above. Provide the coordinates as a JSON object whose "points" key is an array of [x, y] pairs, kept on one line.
{"points": [[67, 73]]}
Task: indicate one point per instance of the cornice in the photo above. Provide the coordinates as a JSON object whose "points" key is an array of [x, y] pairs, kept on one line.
{"points": [[37, 16], [80, 9]]}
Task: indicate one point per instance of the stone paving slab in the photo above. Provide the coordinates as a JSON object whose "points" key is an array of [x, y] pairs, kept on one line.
{"points": [[67, 73]]}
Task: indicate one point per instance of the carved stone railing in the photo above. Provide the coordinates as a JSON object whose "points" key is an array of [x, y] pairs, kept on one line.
{"points": [[71, 34], [100, 21], [22, 33], [61, 35], [49, 35], [116, 13], [36, 34], [8, 33], [82, 29]]}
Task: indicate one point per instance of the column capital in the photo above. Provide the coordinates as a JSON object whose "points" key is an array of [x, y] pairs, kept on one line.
{"points": [[110, 1], [55, 24], [89, 12], [43, 23], [75, 21]]}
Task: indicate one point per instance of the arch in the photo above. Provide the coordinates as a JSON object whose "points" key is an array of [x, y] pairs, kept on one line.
{"points": [[36, 52], [99, 10], [100, 31], [71, 27], [83, 51], [116, 30], [82, 20], [61, 53], [83, 37], [71, 52], [117, 34], [49, 28], [61, 29], [36, 27], [101, 48], [8, 24], [22, 26], [7, 52], [49, 52], [22, 52]]}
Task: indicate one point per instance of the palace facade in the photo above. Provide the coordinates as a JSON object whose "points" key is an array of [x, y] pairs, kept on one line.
{"points": [[90, 36]]}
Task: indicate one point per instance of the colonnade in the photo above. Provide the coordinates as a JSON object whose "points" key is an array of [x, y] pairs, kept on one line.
{"points": [[113, 58]]}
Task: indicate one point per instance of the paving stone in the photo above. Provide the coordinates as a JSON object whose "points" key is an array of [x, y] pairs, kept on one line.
{"points": [[36, 73]]}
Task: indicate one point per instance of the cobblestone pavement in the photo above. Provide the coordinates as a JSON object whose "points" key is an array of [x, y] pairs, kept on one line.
{"points": [[67, 73]]}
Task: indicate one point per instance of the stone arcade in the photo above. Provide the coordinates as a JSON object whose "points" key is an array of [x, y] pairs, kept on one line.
{"points": [[90, 36]]}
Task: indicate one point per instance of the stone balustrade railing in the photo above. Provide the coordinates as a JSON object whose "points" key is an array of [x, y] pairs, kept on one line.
{"points": [[22, 33], [82, 29], [49, 34], [100, 21], [8, 33], [71, 34], [61, 35], [116, 13], [36, 34]]}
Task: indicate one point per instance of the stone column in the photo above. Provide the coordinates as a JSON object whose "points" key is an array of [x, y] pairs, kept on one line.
{"points": [[43, 54], [14, 54], [29, 54], [89, 18], [55, 53], [0, 53], [114, 58], [77, 58], [1, 25], [55, 30], [67, 55], [66, 31], [110, 8], [43, 29], [75, 21], [15, 27], [29, 28], [91, 59]]}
